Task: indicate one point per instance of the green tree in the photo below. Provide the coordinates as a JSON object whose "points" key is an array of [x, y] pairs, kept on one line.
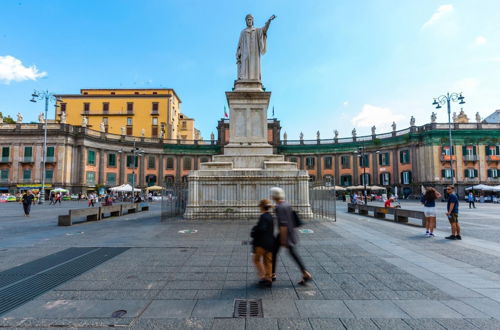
{"points": [[8, 119]]}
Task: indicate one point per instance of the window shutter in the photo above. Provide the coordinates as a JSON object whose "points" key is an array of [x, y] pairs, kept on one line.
{"points": [[400, 156], [474, 150], [380, 159], [498, 150], [476, 173], [488, 150], [464, 150], [466, 173], [443, 173], [490, 173]]}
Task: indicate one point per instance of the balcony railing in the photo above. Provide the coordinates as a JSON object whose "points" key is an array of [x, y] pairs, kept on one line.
{"points": [[27, 160], [4, 180], [470, 158], [471, 180], [5, 159], [493, 180], [446, 158], [493, 158], [50, 159]]}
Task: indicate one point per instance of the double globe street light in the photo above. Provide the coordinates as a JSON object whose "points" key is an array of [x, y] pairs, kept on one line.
{"points": [[361, 153], [48, 97], [136, 152], [441, 100]]}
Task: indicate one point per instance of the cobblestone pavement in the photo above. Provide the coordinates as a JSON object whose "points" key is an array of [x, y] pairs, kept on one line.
{"points": [[368, 274]]}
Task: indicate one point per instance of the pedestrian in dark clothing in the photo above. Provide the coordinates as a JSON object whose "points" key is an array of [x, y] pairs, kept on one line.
{"points": [[51, 198], [452, 213], [287, 234], [27, 200], [263, 244], [58, 198]]}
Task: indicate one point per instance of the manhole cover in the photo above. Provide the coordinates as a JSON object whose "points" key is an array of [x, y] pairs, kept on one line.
{"points": [[248, 308], [119, 313], [306, 231], [188, 231]]}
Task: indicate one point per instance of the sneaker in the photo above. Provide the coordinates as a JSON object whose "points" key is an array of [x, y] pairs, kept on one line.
{"points": [[451, 237], [431, 235], [458, 237]]}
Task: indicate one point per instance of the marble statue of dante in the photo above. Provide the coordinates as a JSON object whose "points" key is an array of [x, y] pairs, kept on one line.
{"points": [[103, 127], [252, 43]]}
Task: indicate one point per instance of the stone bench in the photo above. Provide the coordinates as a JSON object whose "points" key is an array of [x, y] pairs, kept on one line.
{"points": [[144, 206], [90, 214], [112, 210], [98, 213], [399, 215], [128, 208]]}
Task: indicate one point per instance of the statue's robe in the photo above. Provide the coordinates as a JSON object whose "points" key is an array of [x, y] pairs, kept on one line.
{"points": [[252, 43]]}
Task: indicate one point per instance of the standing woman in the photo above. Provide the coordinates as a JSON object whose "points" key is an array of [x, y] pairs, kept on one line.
{"points": [[429, 201], [27, 200]]}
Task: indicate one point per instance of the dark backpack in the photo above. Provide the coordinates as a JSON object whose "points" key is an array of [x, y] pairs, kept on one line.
{"points": [[297, 222]]}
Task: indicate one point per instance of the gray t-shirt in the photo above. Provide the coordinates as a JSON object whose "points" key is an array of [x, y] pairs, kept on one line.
{"points": [[284, 216]]}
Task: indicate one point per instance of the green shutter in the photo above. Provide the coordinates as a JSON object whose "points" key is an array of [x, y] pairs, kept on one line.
{"points": [[474, 150], [488, 150], [401, 157], [50, 151], [5, 152], [28, 151], [464, 150], [443, 173], [476, 173], [498, 150]]}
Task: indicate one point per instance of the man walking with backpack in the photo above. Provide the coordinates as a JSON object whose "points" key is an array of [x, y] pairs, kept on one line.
{"points": [[287, 234]]}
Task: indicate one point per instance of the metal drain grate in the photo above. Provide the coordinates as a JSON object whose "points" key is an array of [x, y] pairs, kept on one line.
{"points": [[27, 284], [248, 308], [31, 268]]}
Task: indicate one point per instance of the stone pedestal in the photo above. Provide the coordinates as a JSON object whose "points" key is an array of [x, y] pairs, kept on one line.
{"points": [[232, 185]]}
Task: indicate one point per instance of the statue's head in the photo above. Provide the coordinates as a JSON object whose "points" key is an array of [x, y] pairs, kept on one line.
{"points": [[249, 20]]}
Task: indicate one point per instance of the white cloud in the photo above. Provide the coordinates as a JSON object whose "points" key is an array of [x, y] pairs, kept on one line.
{"points": [[345, 104], [371, 115], [480, 40], [439, 14], [12, 69], [466, 84]]}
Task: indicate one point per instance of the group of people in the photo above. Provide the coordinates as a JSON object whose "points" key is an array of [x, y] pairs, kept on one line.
{"points": [[55, 198], [266, 245], [429, 201]]}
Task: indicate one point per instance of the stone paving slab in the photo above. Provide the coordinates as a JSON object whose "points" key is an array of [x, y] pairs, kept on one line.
{"points": [[364, 278]]}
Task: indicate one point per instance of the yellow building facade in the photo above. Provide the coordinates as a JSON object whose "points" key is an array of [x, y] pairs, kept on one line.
{"points": [[133, 112]]}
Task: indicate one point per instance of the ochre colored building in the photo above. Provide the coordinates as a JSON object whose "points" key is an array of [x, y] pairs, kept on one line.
{"points": [[152, 113]]}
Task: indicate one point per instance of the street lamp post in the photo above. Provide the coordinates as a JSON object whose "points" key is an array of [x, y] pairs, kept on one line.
{"points": [[48, 97], [441, 100], [136, 152], [361, 153]]}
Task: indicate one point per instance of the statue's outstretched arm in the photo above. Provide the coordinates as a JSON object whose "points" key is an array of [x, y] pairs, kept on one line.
{"points": [[266, 26]]}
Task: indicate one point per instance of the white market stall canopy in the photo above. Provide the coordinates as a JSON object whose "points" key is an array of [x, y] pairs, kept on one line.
{"points": [[338, 188], [484, 187], [124, 188]]}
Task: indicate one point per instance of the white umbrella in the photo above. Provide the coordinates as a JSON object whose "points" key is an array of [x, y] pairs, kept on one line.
{"points": [[481, 187], [60, 190], [124, 188], [375, 188], [329, 188]]}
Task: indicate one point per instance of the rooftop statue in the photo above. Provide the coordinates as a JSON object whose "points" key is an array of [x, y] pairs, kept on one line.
{"points": [[252, 43]]}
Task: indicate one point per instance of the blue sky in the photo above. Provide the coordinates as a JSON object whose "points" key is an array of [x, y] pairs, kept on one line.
{"points": [[330, 64]]}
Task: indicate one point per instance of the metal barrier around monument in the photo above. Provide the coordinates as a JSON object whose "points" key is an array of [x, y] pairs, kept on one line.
{"points": [[174, 199], [323, 200]]}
